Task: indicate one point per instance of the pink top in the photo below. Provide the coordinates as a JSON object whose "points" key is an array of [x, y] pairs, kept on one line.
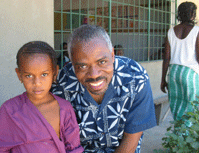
{"points": [[24, 129]]}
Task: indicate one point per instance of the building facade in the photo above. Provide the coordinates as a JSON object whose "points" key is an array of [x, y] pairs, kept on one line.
{"points": [[140, 26]]}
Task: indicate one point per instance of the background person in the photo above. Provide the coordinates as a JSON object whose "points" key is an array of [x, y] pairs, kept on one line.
{"points": [[118, 50], [182, 56], [111, 95], [65, 55]]}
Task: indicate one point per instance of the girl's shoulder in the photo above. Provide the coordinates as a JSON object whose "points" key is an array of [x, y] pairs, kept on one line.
{"points": [[14, 104], [63, 102]]}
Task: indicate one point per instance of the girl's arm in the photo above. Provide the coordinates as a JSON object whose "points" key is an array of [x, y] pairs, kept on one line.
{"points": [[71, 132], [6, 138], [165, 65]]}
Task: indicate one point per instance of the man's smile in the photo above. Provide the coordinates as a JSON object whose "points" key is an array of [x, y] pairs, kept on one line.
{"points": [[96, 84]]}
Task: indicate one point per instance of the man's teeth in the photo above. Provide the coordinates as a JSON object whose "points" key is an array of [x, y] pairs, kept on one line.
{"points": [[96, 84]]}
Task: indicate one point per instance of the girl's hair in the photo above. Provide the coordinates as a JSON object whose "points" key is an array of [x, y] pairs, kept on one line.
{"points": [[37, 47], [187, 12]]}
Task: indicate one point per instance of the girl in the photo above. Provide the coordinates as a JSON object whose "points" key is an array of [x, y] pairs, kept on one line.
{"points": [[38, 121]]}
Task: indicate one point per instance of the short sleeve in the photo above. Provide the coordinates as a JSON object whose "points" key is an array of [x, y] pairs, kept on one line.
{"points": [[71, 133], [142, 113]]}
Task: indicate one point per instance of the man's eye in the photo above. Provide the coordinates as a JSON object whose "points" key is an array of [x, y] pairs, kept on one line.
{"points": [[102, 62], [82, 66], [45, 74], [29, 76]]}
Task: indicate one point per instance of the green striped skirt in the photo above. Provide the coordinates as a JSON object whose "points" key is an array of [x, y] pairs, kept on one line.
{"points": [[183, 87]]}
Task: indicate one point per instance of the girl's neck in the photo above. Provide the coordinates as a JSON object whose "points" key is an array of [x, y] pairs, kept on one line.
{"points": [[43, 101]]}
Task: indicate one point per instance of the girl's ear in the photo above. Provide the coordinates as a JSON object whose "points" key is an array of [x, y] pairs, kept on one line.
{"points": [[56, 74], [18, 74]]}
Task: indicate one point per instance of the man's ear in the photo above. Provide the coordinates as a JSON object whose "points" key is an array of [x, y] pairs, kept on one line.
{"points": [[18, 74], [113, 55]]}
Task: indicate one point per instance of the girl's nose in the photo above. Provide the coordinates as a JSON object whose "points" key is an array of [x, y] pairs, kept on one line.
{"points": [[37, 81]]}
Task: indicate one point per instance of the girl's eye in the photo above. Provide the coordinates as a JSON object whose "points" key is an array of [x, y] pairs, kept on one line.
{"points": [[45, 74], [29, 76]]}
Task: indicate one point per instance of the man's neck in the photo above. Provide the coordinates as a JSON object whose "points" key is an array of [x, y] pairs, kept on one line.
{"points": [[98, 98]]}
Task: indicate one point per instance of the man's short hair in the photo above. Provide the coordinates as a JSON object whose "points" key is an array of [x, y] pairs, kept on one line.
{"points": [[86, 33]]}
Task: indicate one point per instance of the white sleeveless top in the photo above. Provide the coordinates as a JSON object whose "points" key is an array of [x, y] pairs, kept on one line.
{"points": [[183, 51]]}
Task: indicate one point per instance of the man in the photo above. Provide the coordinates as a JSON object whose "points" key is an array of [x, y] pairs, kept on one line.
{"points": [[111, 96]]}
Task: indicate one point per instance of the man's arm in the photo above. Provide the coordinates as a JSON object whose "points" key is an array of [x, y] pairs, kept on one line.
{"points": [[129, 143]]}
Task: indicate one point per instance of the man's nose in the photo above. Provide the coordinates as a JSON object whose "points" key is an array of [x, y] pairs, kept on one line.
{"points": [[94, 71]]}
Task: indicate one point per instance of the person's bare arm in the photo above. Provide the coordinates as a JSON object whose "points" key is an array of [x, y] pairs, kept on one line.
{"points": [[165, 65], [197, 48], [129, 143]]}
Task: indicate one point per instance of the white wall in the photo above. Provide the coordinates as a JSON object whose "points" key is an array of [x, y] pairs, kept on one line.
{"points": [[154, 70], [21, 21]]}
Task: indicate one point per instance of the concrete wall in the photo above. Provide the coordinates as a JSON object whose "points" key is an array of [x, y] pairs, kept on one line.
{"points": [[21, 21]]}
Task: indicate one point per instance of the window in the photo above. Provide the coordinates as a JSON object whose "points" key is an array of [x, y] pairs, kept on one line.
{"points": [[139, 26]]}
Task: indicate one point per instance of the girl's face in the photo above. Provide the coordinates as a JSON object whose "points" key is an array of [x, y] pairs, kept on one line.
{"points": [[36, 73]]}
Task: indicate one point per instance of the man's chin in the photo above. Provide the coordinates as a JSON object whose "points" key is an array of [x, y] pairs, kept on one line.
{"points": [[97, 92]]}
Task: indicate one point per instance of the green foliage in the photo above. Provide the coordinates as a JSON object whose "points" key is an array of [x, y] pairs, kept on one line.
{"points": [[183, 135]]}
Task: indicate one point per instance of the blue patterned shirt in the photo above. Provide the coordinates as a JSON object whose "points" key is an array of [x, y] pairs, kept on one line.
{"points": [[127, 105]]}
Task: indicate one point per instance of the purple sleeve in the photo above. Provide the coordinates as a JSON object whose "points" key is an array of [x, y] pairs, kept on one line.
{"points": [[71, 133], [8, 132]]}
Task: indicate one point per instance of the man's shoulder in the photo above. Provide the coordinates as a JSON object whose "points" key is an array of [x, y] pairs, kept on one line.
{"points": [[129, 72], [66, 72], [125, 64]]}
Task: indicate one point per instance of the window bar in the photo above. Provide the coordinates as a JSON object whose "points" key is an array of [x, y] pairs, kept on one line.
{"points": [[138, 30], [128, 26], [123, 20], [162, 27], [154, 26], [133, 47], [149, 15], [88, 21], [71, 17], [103, 14], [95, 12], [109, 24], [117, 25], [61, 34], [176, 11], [80, 13], [144, 34]]}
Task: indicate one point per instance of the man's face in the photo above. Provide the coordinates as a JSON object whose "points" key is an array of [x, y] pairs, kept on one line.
{"points": [[93, 64]]}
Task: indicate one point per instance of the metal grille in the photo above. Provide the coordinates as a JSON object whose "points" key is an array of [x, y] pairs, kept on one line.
{"points": [[139, 26]]}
